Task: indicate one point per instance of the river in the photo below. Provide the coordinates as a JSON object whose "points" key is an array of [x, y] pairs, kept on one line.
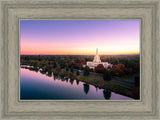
{"points": [[37, 86]]}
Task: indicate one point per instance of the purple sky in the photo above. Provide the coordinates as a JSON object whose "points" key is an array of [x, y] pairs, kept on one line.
{"points": [[79, 36]]}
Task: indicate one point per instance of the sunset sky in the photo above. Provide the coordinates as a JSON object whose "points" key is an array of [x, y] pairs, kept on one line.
{"points": [[79, 37]]}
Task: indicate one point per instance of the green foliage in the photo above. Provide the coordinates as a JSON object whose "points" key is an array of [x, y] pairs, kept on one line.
{"points": [[86, 71], [48, 68], [71, 75], [33, 63], [53, 70], [63, 72], [57, 70], [89, 79], [54, 65]]}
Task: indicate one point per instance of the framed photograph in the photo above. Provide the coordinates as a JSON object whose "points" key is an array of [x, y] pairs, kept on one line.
{"points": [[66, 51], [80, 59]]}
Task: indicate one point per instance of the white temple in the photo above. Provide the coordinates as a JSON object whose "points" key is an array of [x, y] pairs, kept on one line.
{"points": [[97, 61]]}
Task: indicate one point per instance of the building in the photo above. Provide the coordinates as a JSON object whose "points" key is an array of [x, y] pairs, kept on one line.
{"points": [[97, 61]]}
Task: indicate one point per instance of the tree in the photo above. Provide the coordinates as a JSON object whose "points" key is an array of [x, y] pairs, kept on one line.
{"points": [[119, 69], [33, 63], [107, 94], [67, 69], [63, 72], [77, 72], [54, 64], [107, 75], [71, 76], [57, 70], [100, 68], [72, 70], [86, 88], [86, 71], [49, 68], [39, 57]]}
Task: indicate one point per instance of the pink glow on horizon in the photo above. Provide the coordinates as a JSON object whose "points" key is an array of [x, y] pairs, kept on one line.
{"points": [[72, 48], [113, 39]]}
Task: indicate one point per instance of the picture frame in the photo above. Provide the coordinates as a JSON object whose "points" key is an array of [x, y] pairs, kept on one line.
{"points": [[145, 108]]}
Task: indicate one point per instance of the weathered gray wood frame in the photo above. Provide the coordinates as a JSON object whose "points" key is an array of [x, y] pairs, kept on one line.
{"points": [[147, 11]]}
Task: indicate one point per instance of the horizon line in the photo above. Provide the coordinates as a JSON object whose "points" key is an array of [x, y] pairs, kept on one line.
{"points": [[80, 54]]}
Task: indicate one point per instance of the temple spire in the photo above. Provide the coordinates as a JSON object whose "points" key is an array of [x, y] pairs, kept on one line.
{"points": [[96, 51]]}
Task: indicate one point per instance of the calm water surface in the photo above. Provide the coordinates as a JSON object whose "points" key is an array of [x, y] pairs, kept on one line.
{"points": [[35, 85]]}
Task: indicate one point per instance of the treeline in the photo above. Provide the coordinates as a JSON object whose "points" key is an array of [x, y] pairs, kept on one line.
{"points": [[122, 64]]}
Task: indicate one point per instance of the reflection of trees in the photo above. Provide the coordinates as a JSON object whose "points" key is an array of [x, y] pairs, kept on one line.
{"points": [[62, 78], [36, 70], [58, 77], [71, 81], [77, 81], [86, 88], [66, 80], [42, 72], [96, 88], [49, 74], [55, 76], [31, 68], [107, 94]]}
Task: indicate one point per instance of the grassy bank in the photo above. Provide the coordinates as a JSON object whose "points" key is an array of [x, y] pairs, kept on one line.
{"points": [[100, 83], [106, 85]]}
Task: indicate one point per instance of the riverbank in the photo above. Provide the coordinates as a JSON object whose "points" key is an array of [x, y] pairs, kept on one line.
{"points": [[105, 85]]}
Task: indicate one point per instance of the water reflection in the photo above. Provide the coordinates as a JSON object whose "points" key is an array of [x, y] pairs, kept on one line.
{"points": [[77, 81], [71, 81], [62, 79], [49, 74], [86, 88], [96, 88], [107, 94], [66, 80], [35, 85], [55, 76], [42, 72]]}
